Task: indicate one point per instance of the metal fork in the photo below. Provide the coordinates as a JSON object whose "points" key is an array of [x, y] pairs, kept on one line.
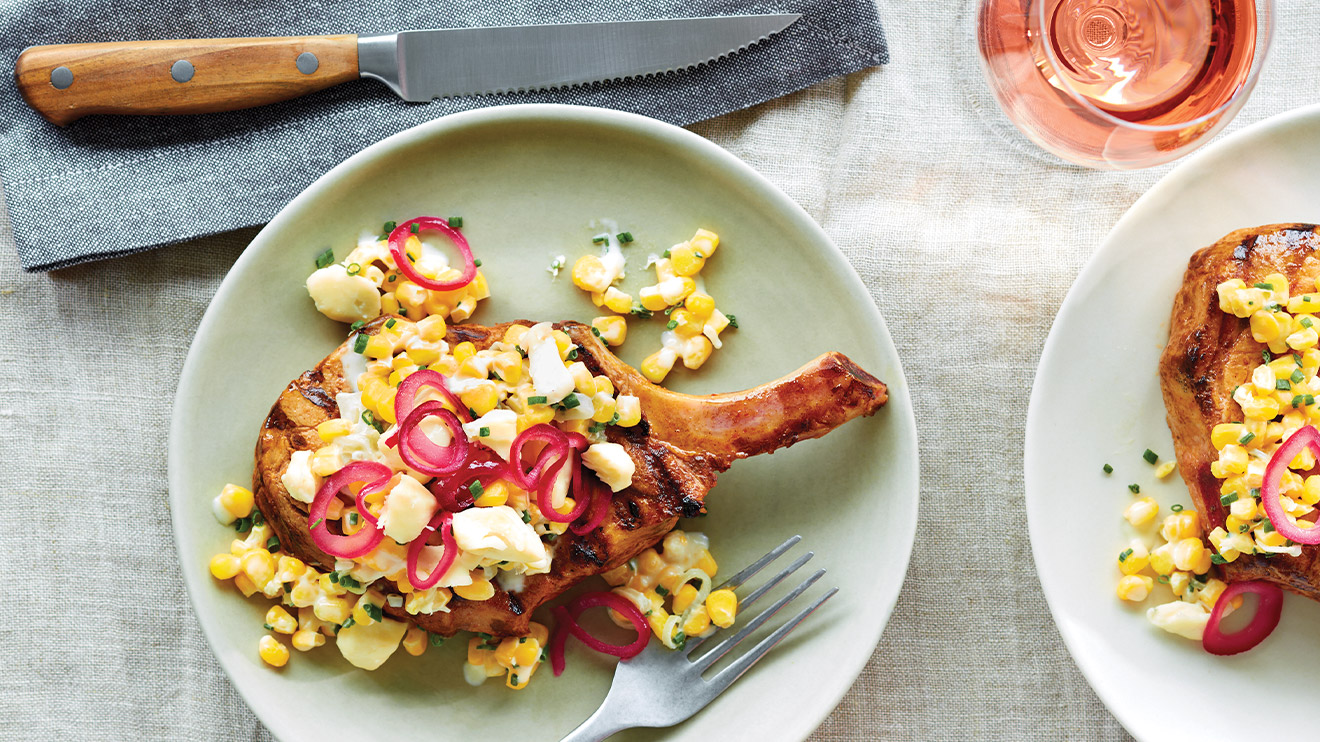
{"points": [[662, 687]]}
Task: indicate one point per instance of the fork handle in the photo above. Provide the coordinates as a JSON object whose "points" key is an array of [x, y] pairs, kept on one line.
{"points": [[598, 726]]}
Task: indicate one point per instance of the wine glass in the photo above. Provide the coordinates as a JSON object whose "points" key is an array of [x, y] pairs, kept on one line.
{"points": [[1122, 84]]}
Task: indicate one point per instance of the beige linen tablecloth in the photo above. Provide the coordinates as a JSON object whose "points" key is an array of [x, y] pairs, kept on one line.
{"points": [[967, 238]]}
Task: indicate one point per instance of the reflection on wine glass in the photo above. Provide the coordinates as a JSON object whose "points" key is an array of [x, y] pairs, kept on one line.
{"points": [[1122, 83]]}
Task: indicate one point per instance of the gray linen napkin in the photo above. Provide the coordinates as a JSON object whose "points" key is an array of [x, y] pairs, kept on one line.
{"points": [[108, 186]]}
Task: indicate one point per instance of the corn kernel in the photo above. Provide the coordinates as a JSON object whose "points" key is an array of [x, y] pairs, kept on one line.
{"points": [[657, 365], [657, 620], [698, 351], [481, 398], [1244, 508], [478, 653], [305, 641], [649, 562], [527, 653], [225, 566], [237, 501], [1165, 469], [589, 274], [697, 622], [1135, 588], [602, 407], [509, 365], [513, 334], [479, 590], [415, 641], [562, 341], [1161, 560], [612, 330], [389, 304], [1209, 595], [272, 652], [1141, 512], [629, 409], [1134, 558], [686, 260], [604, 385], [259, 566], [705, 242], [722, 607], [1187, 553], [280, 621], [464, 351], [651, 299], [583, 381], [1181, 525], [244, 585], [706, 563], [332, 429], [493, 496], [684, 597], [617, 301]]}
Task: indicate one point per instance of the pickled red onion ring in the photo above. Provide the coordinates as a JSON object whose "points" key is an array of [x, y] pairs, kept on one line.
{"points": [[547, 487], [363, 511], [405, 399], [566, 623], [444, 520], [374, 476], [421, 453], [1268, 609], [400, 236], [1305, 437], [555, 451]]}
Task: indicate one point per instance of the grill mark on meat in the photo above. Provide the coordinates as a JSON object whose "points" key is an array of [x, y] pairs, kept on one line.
{"points": [[585, 552], [314, 393], [691, 508], [633, 511], [515, 605]]}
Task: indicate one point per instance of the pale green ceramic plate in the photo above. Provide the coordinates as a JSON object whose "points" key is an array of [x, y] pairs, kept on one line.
{"points": [[528, 182]]}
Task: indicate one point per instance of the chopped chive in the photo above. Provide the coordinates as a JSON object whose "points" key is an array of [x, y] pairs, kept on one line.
{"points": [[1176, 508], [436, 640], [1135, 488], [1306, 321], [596, 428], [1265, 354], [595, 332], [456, 222], [484, 432], [354, 269], [1122, 557], [1297, 376], [1297, 357], [1266, 286], [346, 624], [733, 321], [526, 516], [318, 522], [1283, 385], [477, 262], [672, 324], [570, 402], [353, 519], [572, 354], [1108, 469], [357, 325], [666, 255], [360, 345], [415, 228], [538, 399], [1297, 400], [1246, 438], [661, 591], [624, 237], [391, 322], [641, 311], [1216, 559], [348, 582], [267, 627], [1310, 399], [476, 489], [371, 609], [1150, 456], [1162, 579], [325, 258], [273, 544], [1268, 525], [393, 278], [600, 239], [1228, 499]]}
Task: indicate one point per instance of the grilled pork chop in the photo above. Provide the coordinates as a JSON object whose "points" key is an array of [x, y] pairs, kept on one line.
{"points": [[678, 448], [1210, 353]]}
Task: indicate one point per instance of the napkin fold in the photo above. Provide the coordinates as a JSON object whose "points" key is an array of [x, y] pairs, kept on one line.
{"points": [[109, 185]]}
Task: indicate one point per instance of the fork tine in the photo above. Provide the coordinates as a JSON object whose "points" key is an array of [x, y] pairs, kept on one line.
{"points": [[744, 663], [705, 661], [737, 580], [743, 603]]}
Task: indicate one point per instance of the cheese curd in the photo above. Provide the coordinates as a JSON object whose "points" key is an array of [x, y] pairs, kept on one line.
{"points": [[611, 463], [343, 297], [407, 509], [498, 534]]}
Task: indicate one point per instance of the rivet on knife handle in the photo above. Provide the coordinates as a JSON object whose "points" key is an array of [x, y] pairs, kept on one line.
{"points": [[66, 82]]}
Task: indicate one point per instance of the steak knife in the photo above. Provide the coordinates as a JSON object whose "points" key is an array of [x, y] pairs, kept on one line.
{"points": [[68, 81]]}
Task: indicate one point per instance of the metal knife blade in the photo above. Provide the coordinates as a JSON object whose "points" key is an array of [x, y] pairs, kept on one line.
{"points": [[421, 65]]}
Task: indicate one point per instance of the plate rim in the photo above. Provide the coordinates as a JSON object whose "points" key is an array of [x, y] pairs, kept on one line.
{"points": [[1176, 178], [853, 663]]}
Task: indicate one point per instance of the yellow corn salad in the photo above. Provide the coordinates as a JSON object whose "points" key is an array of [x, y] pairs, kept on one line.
{"points": [[672, 587], [693, 323], [367, 283]]}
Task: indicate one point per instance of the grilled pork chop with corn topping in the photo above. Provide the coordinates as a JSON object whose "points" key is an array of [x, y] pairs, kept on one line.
{"points": [[1239, 376], [676, 450]]}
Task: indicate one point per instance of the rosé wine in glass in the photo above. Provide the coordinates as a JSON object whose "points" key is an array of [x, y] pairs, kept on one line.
{"points": [[1122, 83]]}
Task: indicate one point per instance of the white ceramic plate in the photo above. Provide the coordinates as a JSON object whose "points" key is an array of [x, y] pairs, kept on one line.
{"points": [[1097, 399], [528, 181]]}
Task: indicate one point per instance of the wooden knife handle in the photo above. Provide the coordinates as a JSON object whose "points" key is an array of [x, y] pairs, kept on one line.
{"points": [[66, 82]]}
